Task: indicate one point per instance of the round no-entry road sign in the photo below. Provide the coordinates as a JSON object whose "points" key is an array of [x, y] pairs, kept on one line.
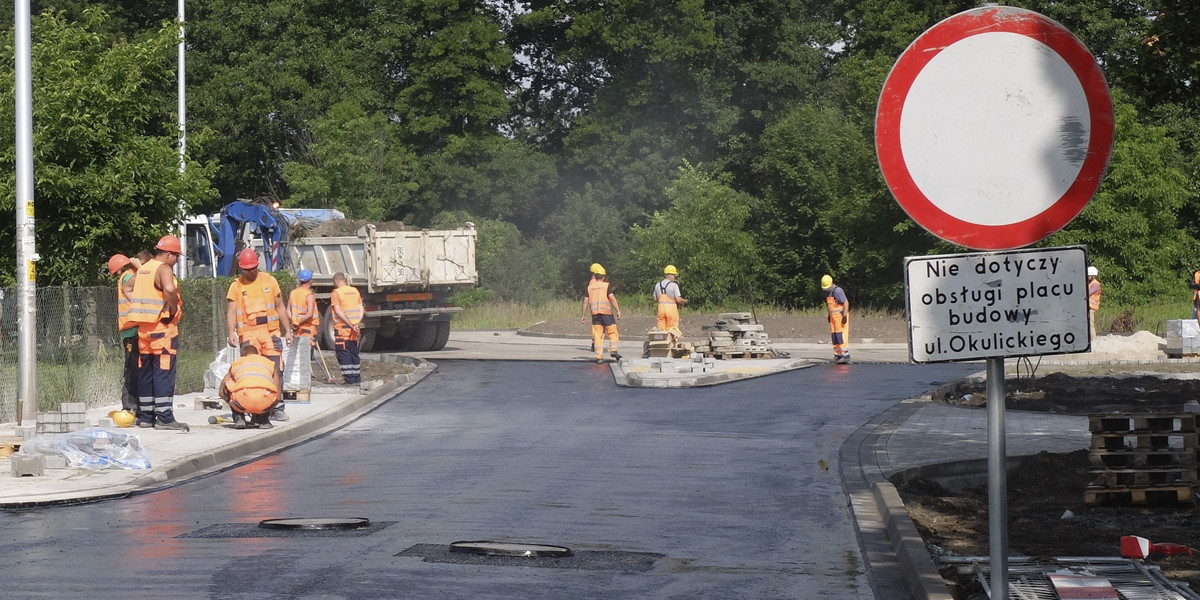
{"points": [[994, 128]]}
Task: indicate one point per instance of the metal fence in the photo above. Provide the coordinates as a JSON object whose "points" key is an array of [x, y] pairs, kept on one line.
{"points": [[79, 356]]}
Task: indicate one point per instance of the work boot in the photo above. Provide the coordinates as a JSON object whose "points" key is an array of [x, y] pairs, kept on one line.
{"points": [[599, 360], [145, 424], [616, 355], [173, 426], [261, 422], [279, 415], [239, 421]]}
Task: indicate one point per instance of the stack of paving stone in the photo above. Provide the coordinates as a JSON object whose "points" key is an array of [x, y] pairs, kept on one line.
{"points": [[70, 416], [734, 336]]}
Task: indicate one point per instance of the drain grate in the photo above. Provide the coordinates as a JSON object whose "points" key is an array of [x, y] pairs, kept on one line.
{"points": [[490, 548], [317, 524], [253, 530], [584, 560]]}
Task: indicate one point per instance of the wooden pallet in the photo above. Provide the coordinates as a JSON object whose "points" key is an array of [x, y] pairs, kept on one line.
{"points": [[1142, 423], [1145, 441], [297, 396], [9, 445], [1141, 459], [1143, 478], [1181, 494]]}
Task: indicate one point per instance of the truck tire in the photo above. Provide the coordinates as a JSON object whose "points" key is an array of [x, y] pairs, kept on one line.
{"points": [[443, 335], [327, 337], [366, 340], [422, 337]]}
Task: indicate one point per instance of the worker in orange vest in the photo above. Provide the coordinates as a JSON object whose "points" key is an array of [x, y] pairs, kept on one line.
{"points": [[346, 307], [1093, 300], [251, 387], [669, 299], [127, 331], [302, 307], [839, 319], [255, 313], [600, 303], [156, 306]]}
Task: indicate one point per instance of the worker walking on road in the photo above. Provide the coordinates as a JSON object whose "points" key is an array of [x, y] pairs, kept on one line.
{"points": [[600, 303], [346, 307], [251, 387], [1093, 300], [669, 299], [156, 307], [255, 313], [839, 319]]}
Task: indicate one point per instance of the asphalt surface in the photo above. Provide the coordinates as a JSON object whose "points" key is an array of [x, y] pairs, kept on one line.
{"points": [[730, 491]]}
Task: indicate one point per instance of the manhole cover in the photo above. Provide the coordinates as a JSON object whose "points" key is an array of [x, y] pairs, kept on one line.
{"points": [[316, 524], [488, 548]]}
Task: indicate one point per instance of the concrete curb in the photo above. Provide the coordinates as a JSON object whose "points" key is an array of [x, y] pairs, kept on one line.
{"points": [[226, 457], [626, 378], [899, 564]]}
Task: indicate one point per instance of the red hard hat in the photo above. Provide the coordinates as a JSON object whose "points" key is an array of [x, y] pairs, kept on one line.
{"points": [[169, 243], [116, 263], [248, 259]]}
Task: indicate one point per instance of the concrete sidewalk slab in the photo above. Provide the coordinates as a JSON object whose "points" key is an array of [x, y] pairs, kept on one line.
{"points": [[178, 456]]}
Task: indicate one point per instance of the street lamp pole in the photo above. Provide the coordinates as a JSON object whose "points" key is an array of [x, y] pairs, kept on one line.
{"points": [[182, 93], [26, 239]]}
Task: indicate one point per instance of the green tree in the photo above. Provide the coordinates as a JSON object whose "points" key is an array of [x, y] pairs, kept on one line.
{"points": [[105, 146], [352, 163], [1131, 227], [704, 234]]}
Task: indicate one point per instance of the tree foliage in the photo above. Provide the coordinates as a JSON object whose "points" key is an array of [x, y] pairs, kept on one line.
{"points": [[561, 126], [106, 161]]}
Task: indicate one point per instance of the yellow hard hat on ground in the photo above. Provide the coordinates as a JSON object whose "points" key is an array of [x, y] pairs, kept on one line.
{"points": [[597, 269], [122, 418], [670, 270], [826, 282]]}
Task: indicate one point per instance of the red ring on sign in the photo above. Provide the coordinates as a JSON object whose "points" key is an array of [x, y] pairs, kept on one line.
{"points": [[891, 105]]}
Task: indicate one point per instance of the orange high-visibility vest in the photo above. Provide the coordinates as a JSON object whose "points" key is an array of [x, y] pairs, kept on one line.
{"points": [[123, 303], [831, 304], [598, 297], [252, 371], [159, 337], [298, 303], [256, 303], [148, 303], [1094, 295], [349, 300]]}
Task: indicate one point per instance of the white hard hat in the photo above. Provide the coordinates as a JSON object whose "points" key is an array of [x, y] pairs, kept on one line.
{"points": [[1092, 272]]}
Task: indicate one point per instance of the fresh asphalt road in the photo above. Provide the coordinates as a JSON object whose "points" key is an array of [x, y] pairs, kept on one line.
{"points": [[723, 492]]}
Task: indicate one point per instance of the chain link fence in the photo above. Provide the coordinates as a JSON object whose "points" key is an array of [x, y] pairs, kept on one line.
{"points": [[79, 356]]}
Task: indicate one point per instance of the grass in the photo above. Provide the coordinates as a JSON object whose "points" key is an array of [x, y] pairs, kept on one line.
{"points": [[501, 315], [1151, 316]]}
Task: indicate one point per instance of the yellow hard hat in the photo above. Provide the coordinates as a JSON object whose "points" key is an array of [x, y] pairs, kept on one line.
{"points": [[597, 269], [122, 418], [670, 270], [826, 282]]}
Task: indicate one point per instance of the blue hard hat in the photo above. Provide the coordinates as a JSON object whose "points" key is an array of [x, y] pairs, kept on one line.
{"points": [[304, 275]]}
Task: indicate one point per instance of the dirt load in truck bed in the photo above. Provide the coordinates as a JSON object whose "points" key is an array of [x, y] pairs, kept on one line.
{"points": [[346, 227]]}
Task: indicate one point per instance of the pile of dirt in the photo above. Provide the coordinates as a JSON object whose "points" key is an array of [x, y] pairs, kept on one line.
{"points": [[1048, 515]]}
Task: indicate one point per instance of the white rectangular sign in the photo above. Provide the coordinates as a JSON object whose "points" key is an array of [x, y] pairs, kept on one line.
{"points": [[997, 304]]}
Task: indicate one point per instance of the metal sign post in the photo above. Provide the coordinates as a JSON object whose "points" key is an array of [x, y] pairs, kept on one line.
{"points": [[26, 255], [993, 130]]}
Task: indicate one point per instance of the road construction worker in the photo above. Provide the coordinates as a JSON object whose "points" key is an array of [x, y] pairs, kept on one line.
{"points": [[255, 313], [1196, 294], [839, 318], [302, 307], [123, 265], [156, 306], [251, 387], [346, 308], [669, 299], [600, 303], [1093, 300]]}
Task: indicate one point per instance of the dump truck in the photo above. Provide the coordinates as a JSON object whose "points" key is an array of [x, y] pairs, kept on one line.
{"points": [[406, 278], [406, 275]]}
